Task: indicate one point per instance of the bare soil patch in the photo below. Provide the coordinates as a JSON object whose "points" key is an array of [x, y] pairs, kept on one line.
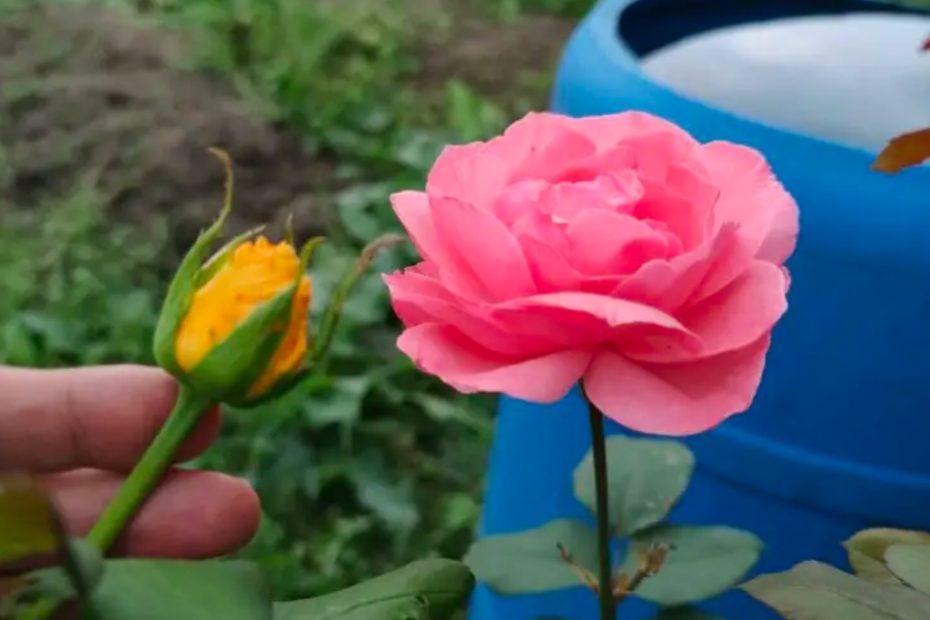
{"points": [[500, 59], [88, 94]]}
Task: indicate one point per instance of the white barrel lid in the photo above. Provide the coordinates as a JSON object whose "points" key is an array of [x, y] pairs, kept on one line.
{"points": [[857, 79]]}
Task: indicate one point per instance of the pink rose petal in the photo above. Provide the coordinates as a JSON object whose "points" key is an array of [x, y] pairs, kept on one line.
{"points": [[417, 300], [444, 176], [608, 130], [541, 226], [551, 270], [585, 319], [611, 311], [482, 178], [731, 319], [485, 246], [616, 159], [670, 284], [658, 150], [675, 399], [602, 242], [448, 354], [684, 201], [742, 312], [751, 197], [414, 212], [518, 200], [616, 248], [619, 192], [537, 144], [553, 273]]}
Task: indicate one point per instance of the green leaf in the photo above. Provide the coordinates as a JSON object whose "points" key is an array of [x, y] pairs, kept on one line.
{"points": [[425, 590], [702, 562], [471, 116], [356, 208], [646, 478], [685, 613], [390, 500], [815, 591], [37, 594], [40, 568], [867, 551], [911, 563], [530, 561], [341, 403], [171, 590]]}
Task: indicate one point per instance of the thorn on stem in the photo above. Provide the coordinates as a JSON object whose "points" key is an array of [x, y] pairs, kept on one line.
{"points": [[621, 586], [650, 563], [586, 576]]}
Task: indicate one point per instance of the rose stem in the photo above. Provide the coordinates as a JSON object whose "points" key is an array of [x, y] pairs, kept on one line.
{"points": [[599, 451], [149, 470]]}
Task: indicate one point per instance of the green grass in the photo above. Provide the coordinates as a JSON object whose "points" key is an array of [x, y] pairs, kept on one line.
{"points": [[367, 465], [78, 289], [327, 70]]}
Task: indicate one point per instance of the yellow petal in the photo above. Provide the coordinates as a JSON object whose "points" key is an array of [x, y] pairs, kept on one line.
{"points": [[257, 271]]}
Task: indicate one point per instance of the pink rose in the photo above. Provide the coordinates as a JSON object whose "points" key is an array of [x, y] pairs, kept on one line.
{"points": [[614, 250]]}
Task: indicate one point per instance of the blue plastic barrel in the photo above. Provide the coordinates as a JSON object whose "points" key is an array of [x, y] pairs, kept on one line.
{"points": [[838, 438]]}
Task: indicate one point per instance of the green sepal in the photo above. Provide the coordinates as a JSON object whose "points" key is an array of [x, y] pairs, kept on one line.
{"points": [[219, 259], [284, 385], [306, 253], [333, 311], [178, 299], [229, 370], [185, 281]]}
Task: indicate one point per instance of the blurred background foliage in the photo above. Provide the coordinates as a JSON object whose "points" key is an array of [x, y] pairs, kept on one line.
{"points": [[369, 464]]}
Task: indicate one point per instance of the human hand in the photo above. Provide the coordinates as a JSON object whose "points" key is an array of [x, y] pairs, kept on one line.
{"points": [[82, 430]]}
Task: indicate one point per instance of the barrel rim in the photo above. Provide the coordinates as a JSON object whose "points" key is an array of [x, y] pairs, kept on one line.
{"points": [[603, 26]]}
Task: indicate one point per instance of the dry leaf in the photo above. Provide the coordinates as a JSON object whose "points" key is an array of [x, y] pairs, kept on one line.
{"points": [[909, 149]]}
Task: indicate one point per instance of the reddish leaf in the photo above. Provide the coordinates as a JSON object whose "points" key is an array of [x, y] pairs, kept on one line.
{"points": [[926, 45], [909, 149]]}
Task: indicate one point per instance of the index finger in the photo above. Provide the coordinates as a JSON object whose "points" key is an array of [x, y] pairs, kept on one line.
{"points": [[102, 417]]}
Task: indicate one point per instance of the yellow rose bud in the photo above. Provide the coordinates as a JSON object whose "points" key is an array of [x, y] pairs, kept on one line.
{"points": [[255, 273]]}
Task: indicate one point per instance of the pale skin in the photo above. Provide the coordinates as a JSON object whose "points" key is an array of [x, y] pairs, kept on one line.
{"points": [[82, 430]]}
